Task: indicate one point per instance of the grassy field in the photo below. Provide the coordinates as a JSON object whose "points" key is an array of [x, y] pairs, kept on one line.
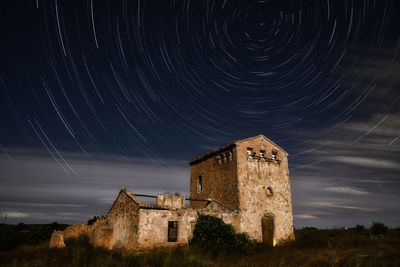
{"points": [[335, 247]]}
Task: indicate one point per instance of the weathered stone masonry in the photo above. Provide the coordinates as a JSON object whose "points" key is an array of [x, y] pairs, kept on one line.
{"points": [[246, 183]]}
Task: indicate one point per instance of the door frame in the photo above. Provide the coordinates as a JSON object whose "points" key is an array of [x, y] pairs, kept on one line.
{"points": [[271, 217]]}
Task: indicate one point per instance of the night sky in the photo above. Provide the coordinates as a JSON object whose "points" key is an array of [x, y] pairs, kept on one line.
{"points": [[96, 95]]}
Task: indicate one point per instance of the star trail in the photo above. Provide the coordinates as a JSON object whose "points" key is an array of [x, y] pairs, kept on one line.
{"points": [[99, 94]]}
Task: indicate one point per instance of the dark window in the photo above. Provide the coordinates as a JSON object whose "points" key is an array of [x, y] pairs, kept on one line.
{"points": [[274, 154], [269, 192], [226, 191], [249, 152], [199, 183], [218, 159], [172, 231]]}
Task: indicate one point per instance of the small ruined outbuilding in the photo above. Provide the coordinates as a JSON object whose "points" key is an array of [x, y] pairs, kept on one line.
{"points": [[245, 183]]}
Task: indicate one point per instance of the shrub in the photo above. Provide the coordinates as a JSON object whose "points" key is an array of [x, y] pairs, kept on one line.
{"points": [[211, 233], [93, 220], [378, 228], [360, 228]]}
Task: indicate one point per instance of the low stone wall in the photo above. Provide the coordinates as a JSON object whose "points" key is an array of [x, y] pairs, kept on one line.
{"points": [[99, 234], [102, 236], [57, 240], [170, 202]]}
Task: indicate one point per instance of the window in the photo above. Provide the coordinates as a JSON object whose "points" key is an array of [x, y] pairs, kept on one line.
{"points": [[199, 183], [274, 154], [172, 231], [218, 159], [262, 153], [269, 192], [230, 155], [249, 152]]}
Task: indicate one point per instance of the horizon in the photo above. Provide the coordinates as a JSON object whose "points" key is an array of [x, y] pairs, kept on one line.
{"points": [[100, 94]]}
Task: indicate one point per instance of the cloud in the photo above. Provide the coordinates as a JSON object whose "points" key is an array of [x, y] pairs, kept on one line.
{"points": [[367, 162], [304, 216], [346, 190], [340, 206], [14, 214], [35, 184]]}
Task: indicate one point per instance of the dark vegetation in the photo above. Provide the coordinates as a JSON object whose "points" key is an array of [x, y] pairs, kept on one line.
{"points": [[13, 236], [215, 235], [359, 246]]}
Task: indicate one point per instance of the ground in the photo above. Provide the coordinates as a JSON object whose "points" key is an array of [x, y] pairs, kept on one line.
{"points": [[335, 247]]}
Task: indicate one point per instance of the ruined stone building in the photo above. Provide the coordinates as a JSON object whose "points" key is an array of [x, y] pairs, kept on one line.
{"points": [[245, 183]]}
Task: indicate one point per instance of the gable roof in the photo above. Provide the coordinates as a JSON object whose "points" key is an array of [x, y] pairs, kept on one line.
{"points": [[229, 146], [263, 136], [136, 201]]}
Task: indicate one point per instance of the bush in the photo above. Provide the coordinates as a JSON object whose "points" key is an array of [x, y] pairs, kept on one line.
{"points": [[211, 233], [360, 228], [93, 220], [378, 228]]}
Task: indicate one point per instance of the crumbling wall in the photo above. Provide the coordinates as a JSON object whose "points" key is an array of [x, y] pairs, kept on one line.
{"points": [[123, 219], [74, 231], [102, 236], [170, 202], [57, 240], [153, 226], [264, 189], [99, 234], [219, 179]]}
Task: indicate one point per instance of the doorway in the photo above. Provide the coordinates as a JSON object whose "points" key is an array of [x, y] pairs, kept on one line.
{"points": [[267, 225]]}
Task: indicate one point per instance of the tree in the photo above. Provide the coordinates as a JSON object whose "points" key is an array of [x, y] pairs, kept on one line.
{"points": [[213, 234], [378, 228]]}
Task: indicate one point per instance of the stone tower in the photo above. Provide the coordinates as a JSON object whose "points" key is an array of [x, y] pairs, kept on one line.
{"points": [[250, 176]]}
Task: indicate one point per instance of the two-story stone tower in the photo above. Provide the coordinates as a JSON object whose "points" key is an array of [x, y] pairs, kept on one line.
{"points": [[252, 177]]}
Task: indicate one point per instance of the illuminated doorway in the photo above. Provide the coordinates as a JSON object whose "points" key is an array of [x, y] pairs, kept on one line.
{"points": [[267, 224]]}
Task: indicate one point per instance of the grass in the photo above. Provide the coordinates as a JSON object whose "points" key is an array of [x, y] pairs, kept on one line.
{"points": [[335, 247]]}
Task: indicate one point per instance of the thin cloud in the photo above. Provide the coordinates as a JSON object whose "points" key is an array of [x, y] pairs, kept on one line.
{"points": [[367, 162], [346, 190], [14, 214], [304, 216], [340, 206]]}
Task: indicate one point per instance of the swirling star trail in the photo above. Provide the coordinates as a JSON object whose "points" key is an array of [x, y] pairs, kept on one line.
{"points": [[96, 94]]}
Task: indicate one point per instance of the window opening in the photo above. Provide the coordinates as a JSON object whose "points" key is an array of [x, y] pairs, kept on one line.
{"points": [[218, 159], [249, 152], [199, 183], [172, 231], [274, 154], [224, 156], [269, 192]]}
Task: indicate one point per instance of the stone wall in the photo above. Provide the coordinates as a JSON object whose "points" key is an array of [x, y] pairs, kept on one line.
{"points": [[57, 240], [123, 219], [264, 189], [170, 202], [153, 225], [97, 234], [219, 179]]}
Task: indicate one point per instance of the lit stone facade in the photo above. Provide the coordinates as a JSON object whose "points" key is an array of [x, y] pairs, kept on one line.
{"points": [[245, 183], [252, 177]]}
